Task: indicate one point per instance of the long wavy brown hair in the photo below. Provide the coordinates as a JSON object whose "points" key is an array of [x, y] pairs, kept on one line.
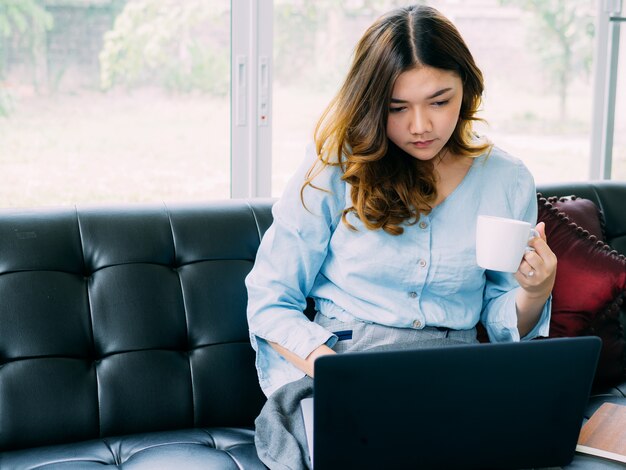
{"points": [[388, 186]]}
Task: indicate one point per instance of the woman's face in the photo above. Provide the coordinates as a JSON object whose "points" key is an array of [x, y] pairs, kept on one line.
{"points": [[424, 110]]}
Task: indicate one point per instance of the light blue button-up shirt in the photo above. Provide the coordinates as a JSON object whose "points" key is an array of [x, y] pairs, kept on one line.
{"points": [[426, 276]]}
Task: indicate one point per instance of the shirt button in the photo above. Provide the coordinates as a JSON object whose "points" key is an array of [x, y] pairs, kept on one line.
{"points": [[412, 294], [422, 263], [417, 324], [423, 224]]}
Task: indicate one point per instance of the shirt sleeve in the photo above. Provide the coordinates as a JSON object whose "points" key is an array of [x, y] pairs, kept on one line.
{"points": [[289, 259], [499, 314]]}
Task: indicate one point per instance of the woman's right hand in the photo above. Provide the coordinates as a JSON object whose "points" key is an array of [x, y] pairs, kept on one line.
{"points": [[305, 365]]}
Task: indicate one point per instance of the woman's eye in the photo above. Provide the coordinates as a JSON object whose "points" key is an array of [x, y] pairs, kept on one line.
{"points": [[397, 109], [438, 104]]}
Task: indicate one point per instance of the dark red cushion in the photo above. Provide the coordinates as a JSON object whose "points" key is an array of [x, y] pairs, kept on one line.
{"points": [[582, 212], [590, 280]]}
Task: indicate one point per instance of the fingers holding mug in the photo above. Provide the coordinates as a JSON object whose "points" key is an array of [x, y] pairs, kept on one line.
{"points": [[537, 270], [514, 246], [527, 274], [533, 234]]}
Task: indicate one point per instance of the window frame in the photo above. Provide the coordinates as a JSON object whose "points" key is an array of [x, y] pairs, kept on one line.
{"points": [[606, 58], [251, 98]]}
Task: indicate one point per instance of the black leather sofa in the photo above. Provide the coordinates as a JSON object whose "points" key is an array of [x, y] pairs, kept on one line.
{"points": [[123, 334]]}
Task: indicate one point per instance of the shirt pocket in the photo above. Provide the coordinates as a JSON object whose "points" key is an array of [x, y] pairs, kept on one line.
{"points": [[455, 271]]}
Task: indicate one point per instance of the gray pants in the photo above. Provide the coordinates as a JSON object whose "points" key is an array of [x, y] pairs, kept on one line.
{"points": [[359, 336]]}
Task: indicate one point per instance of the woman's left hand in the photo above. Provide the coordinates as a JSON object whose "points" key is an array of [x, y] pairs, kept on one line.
{"points": [[537, 271]]}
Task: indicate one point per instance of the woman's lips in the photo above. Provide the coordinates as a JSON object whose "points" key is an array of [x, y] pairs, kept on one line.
{"points": [[420, 144]]}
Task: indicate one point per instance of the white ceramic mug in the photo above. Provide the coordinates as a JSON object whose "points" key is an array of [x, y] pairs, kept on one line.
{"points": [[501, 242]]}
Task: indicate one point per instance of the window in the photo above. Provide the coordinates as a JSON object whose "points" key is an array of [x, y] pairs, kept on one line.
{"points": [[132, 100], [115, 101], [313, 42], [537, 106], [537, 103]]}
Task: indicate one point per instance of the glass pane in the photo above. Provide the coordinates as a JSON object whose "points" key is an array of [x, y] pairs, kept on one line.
{"points": [[114, 101], [534, 110], [313, 41], [537, 105]]}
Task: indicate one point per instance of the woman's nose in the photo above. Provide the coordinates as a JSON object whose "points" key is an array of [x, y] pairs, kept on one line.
{"points": [[420, 123]]}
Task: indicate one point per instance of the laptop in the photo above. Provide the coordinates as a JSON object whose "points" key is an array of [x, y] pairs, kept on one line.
{"points": [[505, 405]]}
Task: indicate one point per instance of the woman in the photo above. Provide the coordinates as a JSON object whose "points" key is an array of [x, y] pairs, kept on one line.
{"points": [[378, 224]]}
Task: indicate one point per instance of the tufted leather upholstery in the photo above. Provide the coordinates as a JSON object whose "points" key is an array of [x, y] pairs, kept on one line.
{"points": [[123, 335], [123, 321]]}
